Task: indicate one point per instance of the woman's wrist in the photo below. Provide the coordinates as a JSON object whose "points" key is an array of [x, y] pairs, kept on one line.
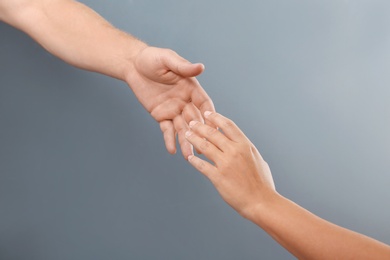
{"points": [[256, 211]]}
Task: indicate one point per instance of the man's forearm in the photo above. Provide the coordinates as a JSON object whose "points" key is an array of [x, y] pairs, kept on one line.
{"points": [[74, 33], [310, 237], [162, 80]]}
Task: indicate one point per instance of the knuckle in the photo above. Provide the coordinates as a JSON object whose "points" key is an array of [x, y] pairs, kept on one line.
{"points": [[232, 151], [253, 148], [165, 125], [204, 145], [246, 150], [172, 52], [201, 165], [169, 51], [240, 149], [235, 153], [215, 114], [245, 147], [265, 163], [211, 131], [227, 124]]}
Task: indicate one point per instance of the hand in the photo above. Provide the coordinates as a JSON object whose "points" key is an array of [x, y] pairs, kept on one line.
{"points": [[239, 172], [166, 86]]}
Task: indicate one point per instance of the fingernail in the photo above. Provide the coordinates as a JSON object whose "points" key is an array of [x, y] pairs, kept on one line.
{"points": [[188, 133], [207, 113], [192, 123], [190, 157]]}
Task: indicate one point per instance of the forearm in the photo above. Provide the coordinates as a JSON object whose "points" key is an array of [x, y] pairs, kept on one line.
{"points": [[76, 34], [310, 237]]}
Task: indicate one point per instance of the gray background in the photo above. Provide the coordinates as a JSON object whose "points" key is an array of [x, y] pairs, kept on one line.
{"points": [[83, 169]]}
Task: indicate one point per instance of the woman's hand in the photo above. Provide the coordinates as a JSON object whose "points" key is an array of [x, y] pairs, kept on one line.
{"points": [[239, 172]]}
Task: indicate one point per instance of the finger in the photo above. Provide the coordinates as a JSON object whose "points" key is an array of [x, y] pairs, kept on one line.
{"points": [[211, 134], [192, 113], [209, 170], [229, 128], [204, 146], [169, 135], [168, 110], [203, 102], [181, 128], [181, 66]]}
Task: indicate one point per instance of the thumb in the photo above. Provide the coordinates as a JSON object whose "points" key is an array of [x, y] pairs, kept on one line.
{"points": [[181, 66]]}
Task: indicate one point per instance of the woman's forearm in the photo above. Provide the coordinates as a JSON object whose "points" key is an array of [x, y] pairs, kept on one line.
{"points": [[245, 182], [309, 237], [74, 33]]}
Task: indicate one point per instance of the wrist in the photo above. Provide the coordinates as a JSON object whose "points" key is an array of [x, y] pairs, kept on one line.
{"points": [[129, 68], [257, 211]]}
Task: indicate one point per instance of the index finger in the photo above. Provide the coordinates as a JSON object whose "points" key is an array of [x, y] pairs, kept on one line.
{"points": [[229, 128], [211, 134], [202, 101], [181, 127]]}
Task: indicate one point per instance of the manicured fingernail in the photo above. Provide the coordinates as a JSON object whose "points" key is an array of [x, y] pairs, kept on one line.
{"points": [[192, 123], [190, 157], [188, 133], [207, 113]]}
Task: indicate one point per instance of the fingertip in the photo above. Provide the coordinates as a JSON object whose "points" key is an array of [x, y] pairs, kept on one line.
{"points": [[187, 149], [201, 66], [169, 136], [172, 151], [211, 124], [189, 158], [171, 148], [196, 69], [192, 123], [188, 134], [209, 121], [207, 113]]}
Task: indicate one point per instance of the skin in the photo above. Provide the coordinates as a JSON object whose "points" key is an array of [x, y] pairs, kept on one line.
{"points": [[244, 181], [163, 82], [165, 85]]}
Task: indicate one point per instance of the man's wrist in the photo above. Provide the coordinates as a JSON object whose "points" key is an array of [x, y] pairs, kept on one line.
{"points": [[130, 67]]}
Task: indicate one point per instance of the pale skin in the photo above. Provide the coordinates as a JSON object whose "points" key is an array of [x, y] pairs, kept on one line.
{"points": [[165, 85], [163, 81], [244, 181]]}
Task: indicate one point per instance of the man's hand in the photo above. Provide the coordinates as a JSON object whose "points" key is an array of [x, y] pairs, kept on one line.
{"points": [[166, 86], [162, 81]]}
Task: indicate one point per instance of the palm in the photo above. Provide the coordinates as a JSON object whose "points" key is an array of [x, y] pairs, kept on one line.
{"points": [[166, 86]]}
